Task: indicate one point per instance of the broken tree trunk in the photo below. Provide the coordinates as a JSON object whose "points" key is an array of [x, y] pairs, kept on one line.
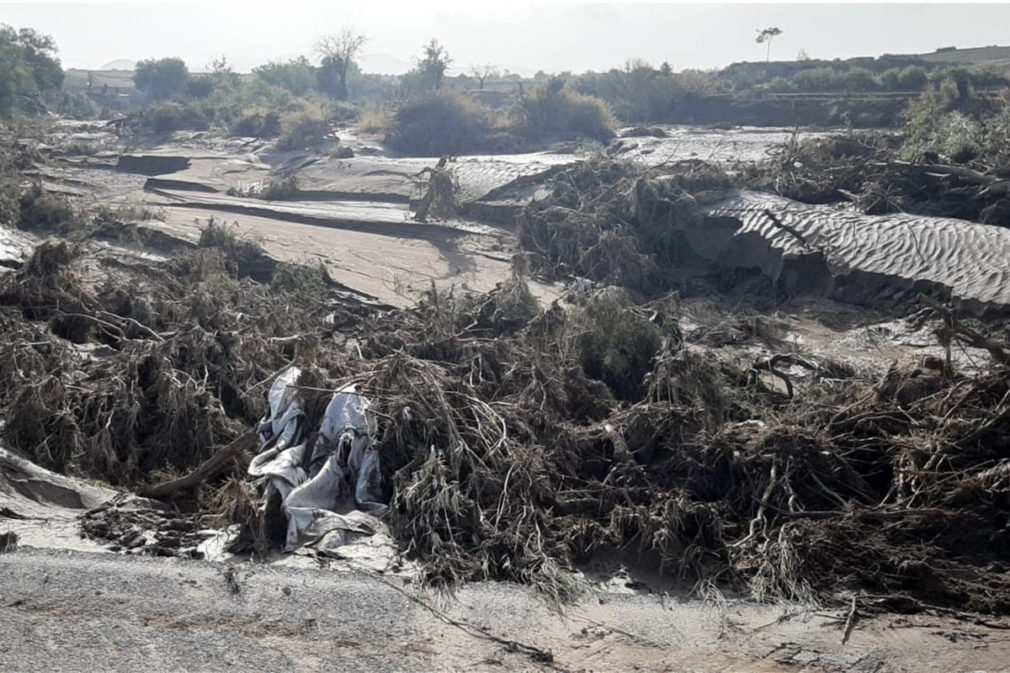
{"points": [[209, 468]]}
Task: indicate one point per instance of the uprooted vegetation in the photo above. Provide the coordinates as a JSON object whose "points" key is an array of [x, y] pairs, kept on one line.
{"points": [[517, 440], [618, 223], [948, 160]]}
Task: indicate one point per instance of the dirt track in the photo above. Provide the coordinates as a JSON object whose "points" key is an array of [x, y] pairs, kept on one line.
{"points": [[72, 611]]}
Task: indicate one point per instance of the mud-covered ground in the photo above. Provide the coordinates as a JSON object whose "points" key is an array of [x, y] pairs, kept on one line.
{"points": [[353, 214], [73, 611]]}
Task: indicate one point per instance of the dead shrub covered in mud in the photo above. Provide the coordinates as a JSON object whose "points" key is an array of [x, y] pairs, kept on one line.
{"points": [[510, 459], [616, 344], [617, 223]]}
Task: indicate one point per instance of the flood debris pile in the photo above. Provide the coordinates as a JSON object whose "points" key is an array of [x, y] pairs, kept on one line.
{"points": [[509, 461], [124, 369], [618, 222], [871, 173], [510, 442]]}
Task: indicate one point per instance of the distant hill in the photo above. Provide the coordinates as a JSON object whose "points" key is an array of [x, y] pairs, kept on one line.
{"points": [[970, 56], [119, 64]]}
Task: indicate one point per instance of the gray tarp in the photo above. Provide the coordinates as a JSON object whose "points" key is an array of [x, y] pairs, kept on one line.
{"points": [[331, 487]]}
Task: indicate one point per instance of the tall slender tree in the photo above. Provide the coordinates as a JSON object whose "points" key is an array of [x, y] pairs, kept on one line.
{"points": [[765, 37]]}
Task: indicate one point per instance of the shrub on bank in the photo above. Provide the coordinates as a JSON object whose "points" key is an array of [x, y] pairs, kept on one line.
{"points": [[310, 123], [558, 112], [449, 122], [41, 211], [257, 122], [303, 129], [172, 116], [445, 122], [374, 118]]}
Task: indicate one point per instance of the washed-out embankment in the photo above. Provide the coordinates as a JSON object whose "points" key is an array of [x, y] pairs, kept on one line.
{"points": [[804, 249], [862, 259]]}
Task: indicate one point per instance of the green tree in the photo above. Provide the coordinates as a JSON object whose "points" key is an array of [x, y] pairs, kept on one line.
{"points": [[913, 77], [338, 53], [297, 76], [162, 78], [433, 64], [29, 70], [765, 37]]}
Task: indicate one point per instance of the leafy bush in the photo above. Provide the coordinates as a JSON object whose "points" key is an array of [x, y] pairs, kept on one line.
{"points": [[814, 79], [258, 122], [161, 78], [445, 122], [342, 111], [449, 122], [857, 79], [640, 93], [374, 118], [28, 68], [172, 116], [296, 76], [78, 105], [559, 112], [913, 77], [200, 87], [930, 126], [306, 127]]}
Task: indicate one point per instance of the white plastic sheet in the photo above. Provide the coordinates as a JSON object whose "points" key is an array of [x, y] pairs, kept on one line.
{"points": [[329, 489]]}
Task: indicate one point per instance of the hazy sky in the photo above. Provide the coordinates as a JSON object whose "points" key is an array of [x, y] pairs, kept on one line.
{"points": [[521, 36]]}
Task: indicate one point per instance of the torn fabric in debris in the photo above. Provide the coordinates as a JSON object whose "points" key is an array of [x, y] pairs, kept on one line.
{"points": [[329, 488]]}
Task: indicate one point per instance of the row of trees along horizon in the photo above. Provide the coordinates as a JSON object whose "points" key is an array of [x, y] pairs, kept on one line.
{"points": [[277, 97]]}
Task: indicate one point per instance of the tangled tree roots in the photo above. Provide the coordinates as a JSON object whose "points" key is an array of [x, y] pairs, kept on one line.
{"points": [[501, 469], [439, 198]]}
